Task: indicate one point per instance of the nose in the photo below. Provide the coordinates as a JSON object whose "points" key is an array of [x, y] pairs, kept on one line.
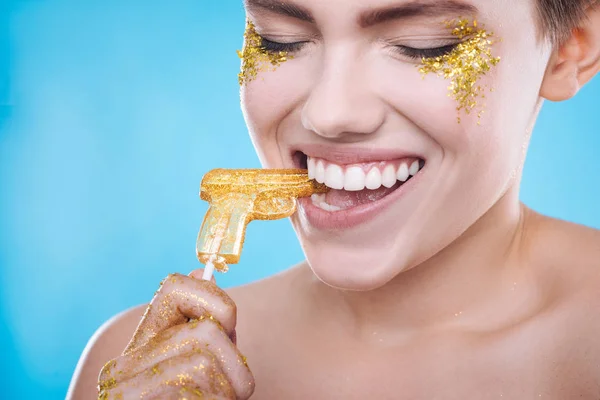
{"points": [[341, 105]]}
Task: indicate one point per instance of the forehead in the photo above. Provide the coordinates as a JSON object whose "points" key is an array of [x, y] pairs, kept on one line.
{"points": [[373, 12]]}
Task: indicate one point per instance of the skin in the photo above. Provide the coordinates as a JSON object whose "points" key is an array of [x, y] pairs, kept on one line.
{"points": [[468, 294]]}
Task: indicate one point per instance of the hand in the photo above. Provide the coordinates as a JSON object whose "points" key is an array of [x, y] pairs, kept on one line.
{"points": [[183, 348]]}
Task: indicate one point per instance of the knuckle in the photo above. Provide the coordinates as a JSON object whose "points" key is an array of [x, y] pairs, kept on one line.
{"points": [[205, 325], [232, 308], [206, 357], [222, 380], [213, 327], [169, 282]]}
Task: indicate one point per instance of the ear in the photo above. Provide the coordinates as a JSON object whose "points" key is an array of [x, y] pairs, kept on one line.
{"points": [[576, 61]]}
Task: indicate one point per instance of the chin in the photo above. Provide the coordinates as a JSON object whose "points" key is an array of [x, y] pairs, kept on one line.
{"points": [[354, 270]]}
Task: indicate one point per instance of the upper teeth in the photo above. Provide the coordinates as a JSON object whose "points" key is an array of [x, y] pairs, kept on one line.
{"points": [[358, 177]]}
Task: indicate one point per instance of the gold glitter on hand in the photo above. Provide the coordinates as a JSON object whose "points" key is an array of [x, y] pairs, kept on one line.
{"points": [[464, 65], [255, 57]]}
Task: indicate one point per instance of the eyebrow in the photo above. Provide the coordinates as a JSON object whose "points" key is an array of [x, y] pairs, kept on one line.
{"points": [[415, 8], [281, 8]]}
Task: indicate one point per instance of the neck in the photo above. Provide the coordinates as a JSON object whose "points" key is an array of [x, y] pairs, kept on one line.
{"points": [[451, 287]]}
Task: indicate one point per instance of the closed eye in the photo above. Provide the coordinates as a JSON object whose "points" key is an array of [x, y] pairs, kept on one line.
{"points": [[411, 52], [434, 52], [275, 47]]}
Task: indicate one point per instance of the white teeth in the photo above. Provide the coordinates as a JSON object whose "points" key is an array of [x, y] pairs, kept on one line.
{"points": [[354, 179], [320, 172], [414, 168], [388, 178], [402, 173], [334, 177], [311, 168], [373, 180]]}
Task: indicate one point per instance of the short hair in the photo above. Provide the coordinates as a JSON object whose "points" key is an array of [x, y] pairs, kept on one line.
{"points": [[558, 18]]}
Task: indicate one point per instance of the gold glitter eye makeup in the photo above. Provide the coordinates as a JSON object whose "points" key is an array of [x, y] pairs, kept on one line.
{"points": [[258, 53], [465, 64]]}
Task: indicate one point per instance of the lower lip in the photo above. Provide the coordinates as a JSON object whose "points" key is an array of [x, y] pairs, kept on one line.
{"points": [[351, 217]]}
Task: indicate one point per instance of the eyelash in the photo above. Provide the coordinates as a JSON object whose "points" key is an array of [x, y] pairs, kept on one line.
{"points": [[410, 52], [275, 47], [434, 52]]}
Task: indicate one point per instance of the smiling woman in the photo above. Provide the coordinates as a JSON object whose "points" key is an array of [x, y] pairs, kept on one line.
{"points": [[428, 267]]}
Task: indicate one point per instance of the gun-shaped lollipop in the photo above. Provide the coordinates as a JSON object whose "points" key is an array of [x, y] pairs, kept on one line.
{"points": [[239, 196]]}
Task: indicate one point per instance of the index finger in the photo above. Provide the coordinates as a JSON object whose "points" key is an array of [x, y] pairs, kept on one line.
{"points": [[179, 299]]}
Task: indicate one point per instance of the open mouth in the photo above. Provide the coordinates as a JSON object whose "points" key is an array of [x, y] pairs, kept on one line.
{"points": [[354, 185]]}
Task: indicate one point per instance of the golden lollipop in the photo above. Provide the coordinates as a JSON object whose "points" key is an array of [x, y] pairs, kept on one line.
{"points": [[239, 196]]}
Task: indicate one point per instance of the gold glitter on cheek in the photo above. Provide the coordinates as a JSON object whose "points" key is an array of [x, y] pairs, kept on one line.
{"points": [[465, 65], [255, 58]]}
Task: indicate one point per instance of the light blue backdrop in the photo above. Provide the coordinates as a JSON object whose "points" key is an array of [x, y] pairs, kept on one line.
{"points": [[107, 112]]}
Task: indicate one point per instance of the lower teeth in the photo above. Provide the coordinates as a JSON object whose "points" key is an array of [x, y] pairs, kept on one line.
{"points": [[319, 201], [345, 200], [328, 207]]}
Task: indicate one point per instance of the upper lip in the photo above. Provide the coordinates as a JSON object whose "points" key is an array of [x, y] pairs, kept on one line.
{"points": [[352, 155]]}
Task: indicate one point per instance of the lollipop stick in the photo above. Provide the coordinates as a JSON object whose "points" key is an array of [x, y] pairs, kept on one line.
{"points": [[209, 268]]}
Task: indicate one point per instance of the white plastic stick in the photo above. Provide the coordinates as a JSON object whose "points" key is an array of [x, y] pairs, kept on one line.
{"points": [[209, 268]]}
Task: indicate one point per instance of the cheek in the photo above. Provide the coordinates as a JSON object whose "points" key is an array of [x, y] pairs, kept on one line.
{"points": [[267, 103], [480, 156], [488, 154], [423, 104], [426, 103], [494, 135], [512, 107], [413, 95]]}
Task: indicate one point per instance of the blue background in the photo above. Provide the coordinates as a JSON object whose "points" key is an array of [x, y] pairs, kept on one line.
{"points": [[107, 110]]}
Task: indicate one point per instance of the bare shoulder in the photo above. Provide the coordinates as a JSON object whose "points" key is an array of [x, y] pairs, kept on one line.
{"points": [[570, 251], [108, 342], [568, 256]]}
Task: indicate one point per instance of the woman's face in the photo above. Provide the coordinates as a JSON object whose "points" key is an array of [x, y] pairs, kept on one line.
{"points": [[352, 105]]}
